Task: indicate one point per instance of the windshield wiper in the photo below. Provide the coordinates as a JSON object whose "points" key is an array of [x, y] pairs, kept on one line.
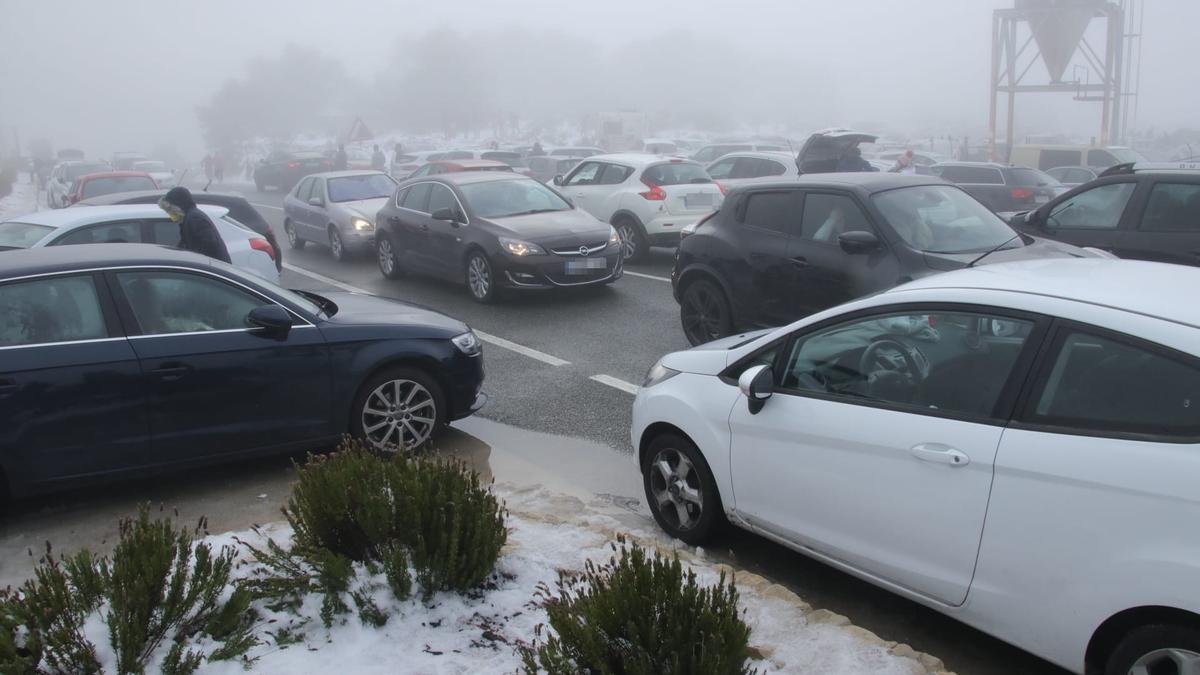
{"points": [[991, 251]]}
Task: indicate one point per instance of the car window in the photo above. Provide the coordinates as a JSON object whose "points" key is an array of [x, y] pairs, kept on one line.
{"points": [[1051, 158], [1031, 178], [417, 198], [1099, 384], [769, 167], [827, 216], [440, 197], [614, 175], [971, 175], [1062, 175], [745, 167], [775, 211], [676, 173], [165, 232], [950, 362], [176, 302], [1173, 207], [943, 219], [318, 189], [303, 189], [1099, 208], [21, 235], [1102, 158], [124, 232], [58, 309], [423, 171], [723, 168], [587, 173]]}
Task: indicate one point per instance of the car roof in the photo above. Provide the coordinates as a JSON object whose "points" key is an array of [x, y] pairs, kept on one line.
{"points": [[345, 174], [119, 198], [871, 181], [116, 174], [70, 218], [759, 154], [982, 165], [1160, 290], [467, 177], [470, 163], [639, 159], [48, 259]]}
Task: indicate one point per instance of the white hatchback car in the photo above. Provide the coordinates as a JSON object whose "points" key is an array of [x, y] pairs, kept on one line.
{"points": [[1016, 445], [135, 223], [648, 198], [740, 168]]}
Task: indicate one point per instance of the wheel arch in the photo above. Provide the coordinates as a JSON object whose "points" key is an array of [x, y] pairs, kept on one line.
{"points": [[426, 363], [698, 272], [1105, 638], [626, 213], [658, 429]]}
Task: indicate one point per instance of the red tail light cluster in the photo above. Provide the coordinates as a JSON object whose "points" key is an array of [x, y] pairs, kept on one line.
{"points": [[293, 165], [264, 246], [1022, 193], [654, 194], [721, 187]]}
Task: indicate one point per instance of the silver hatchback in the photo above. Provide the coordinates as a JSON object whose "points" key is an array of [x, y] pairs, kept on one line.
{"points": [[337, 209]]}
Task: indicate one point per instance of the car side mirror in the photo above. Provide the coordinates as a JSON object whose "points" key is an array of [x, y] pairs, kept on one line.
{"points": [[271, 320], [446, 214], [316, 201], [858, 241], [757, 384], [558, 180]]}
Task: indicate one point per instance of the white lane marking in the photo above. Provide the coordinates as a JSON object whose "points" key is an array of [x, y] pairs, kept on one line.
{"points": [[521, 349], [648, 276], [486, 337], [616, 383], [267, 206]]}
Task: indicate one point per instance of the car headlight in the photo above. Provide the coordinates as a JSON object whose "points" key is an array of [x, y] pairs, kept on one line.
{"points": [[657, 374], [468, 343], [614, 237], [520, 248], [361, 224]]}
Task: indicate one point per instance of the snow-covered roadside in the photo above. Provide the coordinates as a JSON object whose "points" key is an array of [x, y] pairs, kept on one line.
{"points": [[22, 200], [552, 532]]}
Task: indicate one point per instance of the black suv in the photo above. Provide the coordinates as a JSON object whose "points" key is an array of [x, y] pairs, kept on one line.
{"points": [[776, 252], [1002, 188], [1151, 214]]}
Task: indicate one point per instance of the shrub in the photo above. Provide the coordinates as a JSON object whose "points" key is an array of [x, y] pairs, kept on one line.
{"points": [[158, 586], [639, 614]]}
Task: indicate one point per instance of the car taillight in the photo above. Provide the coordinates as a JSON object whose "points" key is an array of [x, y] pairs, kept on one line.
{"points": [[654, 194], [264, 246], [1022, 193], [293, 165]]}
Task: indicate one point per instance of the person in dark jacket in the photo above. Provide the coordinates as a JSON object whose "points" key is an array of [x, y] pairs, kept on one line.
{"points": [[340, 160], [196, 232], [852, 160]]}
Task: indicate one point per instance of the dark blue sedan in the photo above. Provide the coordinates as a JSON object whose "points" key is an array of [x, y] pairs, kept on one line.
{"points": [[119, 358]]}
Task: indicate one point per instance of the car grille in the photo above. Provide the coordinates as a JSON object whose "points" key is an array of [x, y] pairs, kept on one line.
{"points": [[592, 249], [558, 275]]}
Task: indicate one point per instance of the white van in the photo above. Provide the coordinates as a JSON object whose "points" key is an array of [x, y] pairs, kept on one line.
{"points": [[1053, 156]]}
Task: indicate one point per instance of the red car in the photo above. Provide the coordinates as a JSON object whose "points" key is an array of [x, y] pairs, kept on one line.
{"points": [[455, 165], [108, 182]]}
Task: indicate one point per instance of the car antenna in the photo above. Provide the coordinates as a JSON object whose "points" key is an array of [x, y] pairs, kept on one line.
{"points": [[991, 251]]}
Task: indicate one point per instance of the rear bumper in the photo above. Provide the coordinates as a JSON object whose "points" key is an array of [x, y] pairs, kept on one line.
{"points": [[664, 229]]}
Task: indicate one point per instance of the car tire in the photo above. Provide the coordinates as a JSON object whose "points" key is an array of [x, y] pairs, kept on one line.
{"points": [[633, 239], [337, 247], [399, 399], [705, 312], [386, 256], [1154, 649], [480, 277], [294, 239], [680, 490]]}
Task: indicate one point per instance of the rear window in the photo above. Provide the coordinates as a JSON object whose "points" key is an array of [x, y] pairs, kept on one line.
{"points": [[21, 235], [676, 173], [972, 175], [107, 186], [1030, 178]]}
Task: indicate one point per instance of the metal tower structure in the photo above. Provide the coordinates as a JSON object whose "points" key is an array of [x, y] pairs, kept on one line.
{"points": [[1052, 32]]}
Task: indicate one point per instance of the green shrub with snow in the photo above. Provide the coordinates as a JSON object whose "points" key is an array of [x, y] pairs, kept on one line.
{"points": [[636, 614], [157, 600]]}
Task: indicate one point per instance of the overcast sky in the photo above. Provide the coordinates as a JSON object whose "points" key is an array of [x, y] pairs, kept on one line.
{"points": [[128, 74]]}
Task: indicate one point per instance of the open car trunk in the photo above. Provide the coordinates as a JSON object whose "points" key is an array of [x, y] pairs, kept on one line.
{"points": [[823, 149]]}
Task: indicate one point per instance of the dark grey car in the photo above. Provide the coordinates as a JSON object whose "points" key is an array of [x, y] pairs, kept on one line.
{"points": [[1002, 188]]}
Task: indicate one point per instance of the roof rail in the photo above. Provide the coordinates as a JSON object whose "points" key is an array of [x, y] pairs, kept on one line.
{"points": [[1144, 167]]}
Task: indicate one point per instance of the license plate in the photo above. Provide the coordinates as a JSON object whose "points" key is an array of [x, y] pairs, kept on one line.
{"points": [[585, 266], [697, 200]]}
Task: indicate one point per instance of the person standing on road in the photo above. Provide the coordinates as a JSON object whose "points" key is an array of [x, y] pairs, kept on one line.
{"points": [[207, 163], [537, 150], [196, 231], [218, 166], [378, 161], [340, 161]]}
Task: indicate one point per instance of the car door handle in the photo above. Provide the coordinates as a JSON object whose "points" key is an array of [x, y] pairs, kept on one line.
{"points": [[940, 454], [170, 372], [800, 261]]}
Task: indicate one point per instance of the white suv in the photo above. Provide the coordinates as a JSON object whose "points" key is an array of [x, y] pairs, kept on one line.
{"points": [[648, 198]]}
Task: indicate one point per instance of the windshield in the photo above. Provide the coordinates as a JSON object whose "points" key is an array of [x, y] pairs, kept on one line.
{"points": [[1032, 178], [367, 186], [111, 184], [676, 173], [21, 235], [76, 170], [150, 167], [504, 198], [942, 219], [1125, 155]]}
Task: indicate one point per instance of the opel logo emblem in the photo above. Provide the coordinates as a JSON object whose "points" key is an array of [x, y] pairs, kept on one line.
{"points": [[583, 250]]}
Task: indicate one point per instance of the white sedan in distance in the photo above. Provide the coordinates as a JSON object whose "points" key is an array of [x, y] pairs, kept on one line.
{"points": [[134, 224], [1015, 445]]}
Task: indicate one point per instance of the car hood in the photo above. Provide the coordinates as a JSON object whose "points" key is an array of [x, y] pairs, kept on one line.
{"points": [[710, 358], [366, 208], [1037, 249], [556, 228], [357, 309]]}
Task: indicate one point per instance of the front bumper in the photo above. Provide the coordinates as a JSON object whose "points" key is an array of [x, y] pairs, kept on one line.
{"points": [[551, 271]]}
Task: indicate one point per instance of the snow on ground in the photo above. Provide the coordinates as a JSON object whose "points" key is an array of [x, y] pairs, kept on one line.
{"points": [[22, 200], [454, 634]]}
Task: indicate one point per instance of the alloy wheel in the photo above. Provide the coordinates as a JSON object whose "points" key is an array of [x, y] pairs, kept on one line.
{"points": [[291, 233], [335, 244], [479, 277], [629, 245], [398, 415], [676, 488], [1167, 662], [703, 316], [387, 257]]}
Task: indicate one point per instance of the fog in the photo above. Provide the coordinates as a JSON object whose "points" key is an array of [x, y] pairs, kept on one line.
{"points": [[165, 77]]}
